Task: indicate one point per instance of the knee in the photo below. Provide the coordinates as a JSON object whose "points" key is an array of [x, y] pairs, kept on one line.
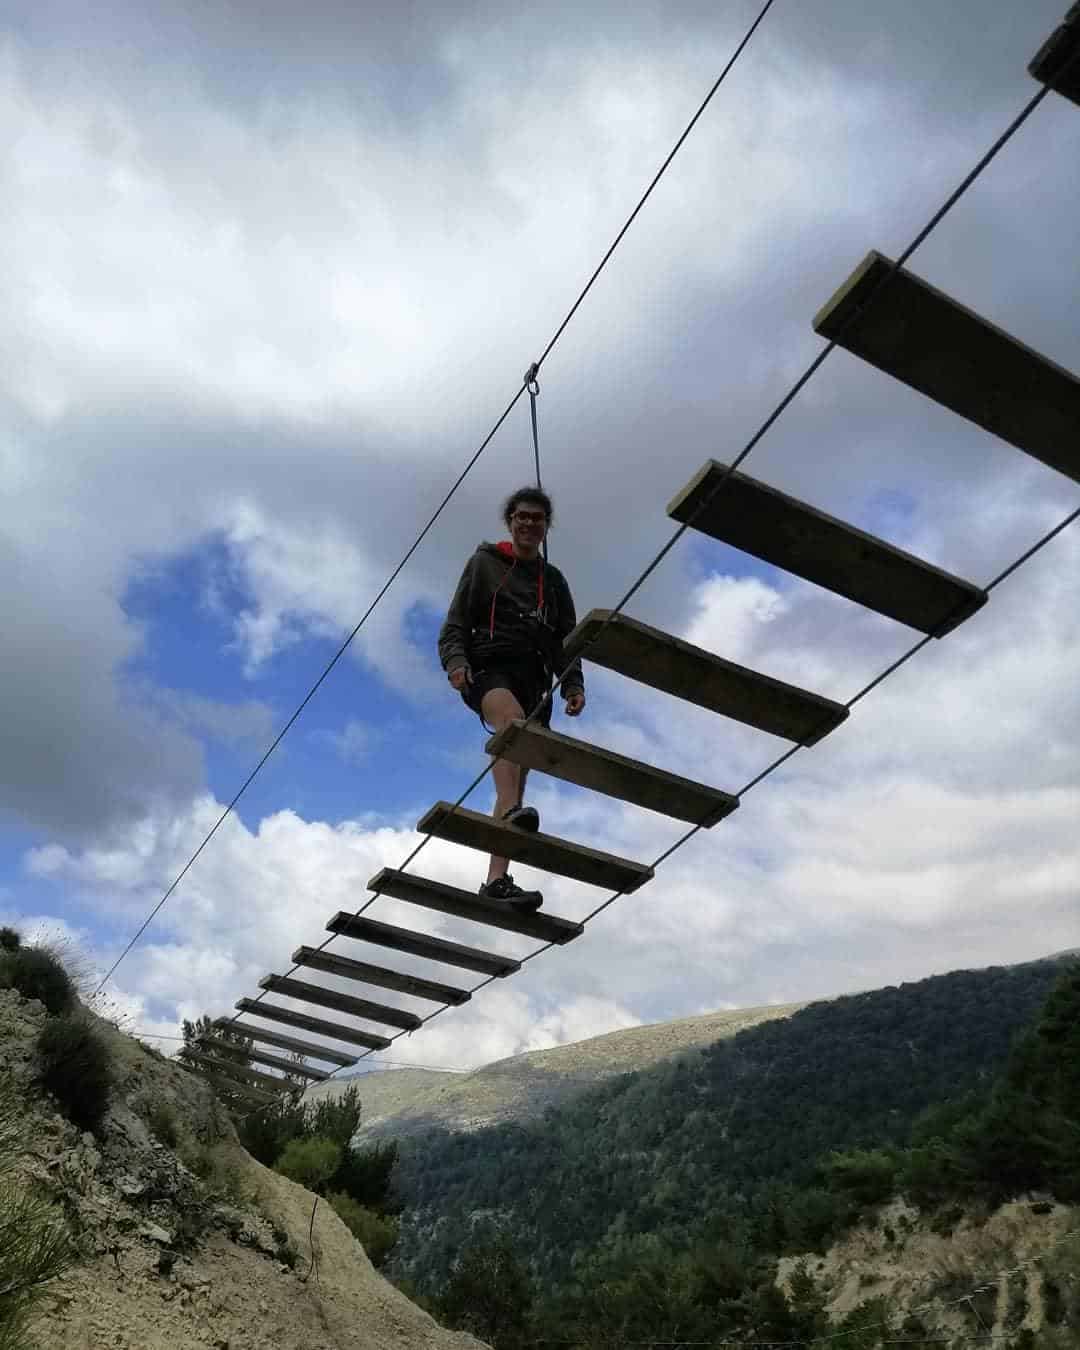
{"points": [[500, 708]]}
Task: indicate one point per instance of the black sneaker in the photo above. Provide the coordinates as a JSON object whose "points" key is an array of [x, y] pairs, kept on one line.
{"points": [[524, 817], [505, 890]]}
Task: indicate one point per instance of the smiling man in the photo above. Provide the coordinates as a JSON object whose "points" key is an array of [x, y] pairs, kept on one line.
{"points": [[500, 645]]}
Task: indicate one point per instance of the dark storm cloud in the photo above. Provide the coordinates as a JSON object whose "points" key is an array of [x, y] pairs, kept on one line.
{"points": [[77, 757]]}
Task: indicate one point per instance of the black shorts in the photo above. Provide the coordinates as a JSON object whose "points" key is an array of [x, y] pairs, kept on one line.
{"points": [[527, 679]]}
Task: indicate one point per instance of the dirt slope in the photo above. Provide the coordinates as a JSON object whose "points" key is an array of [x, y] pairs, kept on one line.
{"points": [[196, 1245], [985, 1275]]}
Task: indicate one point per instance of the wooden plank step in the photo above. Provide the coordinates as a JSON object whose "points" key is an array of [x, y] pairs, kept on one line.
{"points": [[346, 1003], [667, 663], [273, 1012], [474, 830], [924, 338], [234, 1085], [228, 1069], [467, 905], [349, 969], [1057, 62], [290, 1042], [420, 944], [790, 534], [591, 766], [264, 1057]]}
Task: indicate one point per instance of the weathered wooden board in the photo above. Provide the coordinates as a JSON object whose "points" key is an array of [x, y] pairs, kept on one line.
{"points": [[781, 530], [1057, 62], [667, 663], [591, 766], [420, 944], [264, 1057], [348, 969], [345, 1003], [437, 895], [927, 340], [254, 1095], [474, 830], [302, 1022], [283, 1042], [228, 1069]]}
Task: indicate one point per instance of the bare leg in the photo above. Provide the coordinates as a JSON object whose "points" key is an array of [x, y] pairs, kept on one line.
{"points": [[500, 708]]}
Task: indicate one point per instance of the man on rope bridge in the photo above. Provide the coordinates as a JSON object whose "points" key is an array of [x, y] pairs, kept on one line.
{"points": [[501, 644]]}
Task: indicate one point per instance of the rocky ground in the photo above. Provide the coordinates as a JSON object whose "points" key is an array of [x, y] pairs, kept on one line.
{"points": [[186, 1241], [932, 1274]]}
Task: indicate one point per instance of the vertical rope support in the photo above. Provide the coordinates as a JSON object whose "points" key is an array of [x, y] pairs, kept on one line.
{"points": [[533, 386]]}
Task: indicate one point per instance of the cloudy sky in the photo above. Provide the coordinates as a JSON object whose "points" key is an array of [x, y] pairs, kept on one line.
{"points": [[268, 275]]}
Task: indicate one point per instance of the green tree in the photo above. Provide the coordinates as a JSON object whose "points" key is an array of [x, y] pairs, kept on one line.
{"points": [[237, 1051], [868, 1176], [311, 1162], [367, 1176], [336, 1117], [489, 1293], [376, 1233]]}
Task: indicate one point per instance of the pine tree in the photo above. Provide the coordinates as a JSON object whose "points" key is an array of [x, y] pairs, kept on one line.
{"points": [[489, 1293], [237, 1052]]}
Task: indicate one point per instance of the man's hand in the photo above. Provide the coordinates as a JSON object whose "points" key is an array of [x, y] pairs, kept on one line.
{"points": [[459, 677], [575, 703]]}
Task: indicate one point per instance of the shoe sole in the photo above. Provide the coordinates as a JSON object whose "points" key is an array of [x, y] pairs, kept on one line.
{"points": [[529, 825]]}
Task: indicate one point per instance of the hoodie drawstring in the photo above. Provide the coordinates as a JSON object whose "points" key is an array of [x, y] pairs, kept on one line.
{"points": [[506, 578], [495, 596]]}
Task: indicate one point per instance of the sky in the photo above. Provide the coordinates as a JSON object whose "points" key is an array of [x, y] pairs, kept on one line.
{"points": [[268, 277]]}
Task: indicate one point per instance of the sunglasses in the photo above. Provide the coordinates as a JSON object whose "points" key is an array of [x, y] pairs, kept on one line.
{"points": [[530, 517]]}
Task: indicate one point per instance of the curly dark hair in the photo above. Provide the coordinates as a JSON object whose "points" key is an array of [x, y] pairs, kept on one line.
{"points": [[527, 494]]}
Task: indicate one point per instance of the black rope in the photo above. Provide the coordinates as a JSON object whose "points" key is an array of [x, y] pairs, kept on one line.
{"points": [[457, 483], [530, 379], [533, 386]]}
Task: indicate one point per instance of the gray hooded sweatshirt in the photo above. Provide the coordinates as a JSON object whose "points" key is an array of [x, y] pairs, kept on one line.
{"points": [[509, 608]]}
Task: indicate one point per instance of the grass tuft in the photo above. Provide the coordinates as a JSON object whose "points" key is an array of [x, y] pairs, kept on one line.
{"points": [[35, 972], [74, 1067]]}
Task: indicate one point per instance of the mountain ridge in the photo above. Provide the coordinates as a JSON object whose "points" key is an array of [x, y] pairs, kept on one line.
{"points": [[405, 1102]]}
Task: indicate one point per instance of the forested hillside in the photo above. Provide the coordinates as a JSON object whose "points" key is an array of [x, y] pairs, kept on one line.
{"points": [[721, 1144], [401, 1102]]}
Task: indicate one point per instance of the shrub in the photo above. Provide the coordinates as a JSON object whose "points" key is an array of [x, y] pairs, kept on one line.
{"points": [[10, 941], [163, 1124], [489, 1292], [311, 1162], [35, 1246], [222, 1174], [375, 1233], [74, 1067], [366, 1176], [35, 972]]}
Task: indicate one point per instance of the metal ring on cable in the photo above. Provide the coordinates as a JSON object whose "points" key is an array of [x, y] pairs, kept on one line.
{"points": [[531, 381]]}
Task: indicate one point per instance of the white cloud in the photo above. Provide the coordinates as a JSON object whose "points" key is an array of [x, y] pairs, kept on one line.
{"points": [[729, 612], [283, 316], [353, 744]]}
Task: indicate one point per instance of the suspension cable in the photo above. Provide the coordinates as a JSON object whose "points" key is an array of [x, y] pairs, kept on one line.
{"points": [[785, 402], [457, 483]]}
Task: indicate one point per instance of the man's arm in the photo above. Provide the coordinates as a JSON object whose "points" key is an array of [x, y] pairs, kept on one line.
{"points": [[573, 682], [457, 626]]}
